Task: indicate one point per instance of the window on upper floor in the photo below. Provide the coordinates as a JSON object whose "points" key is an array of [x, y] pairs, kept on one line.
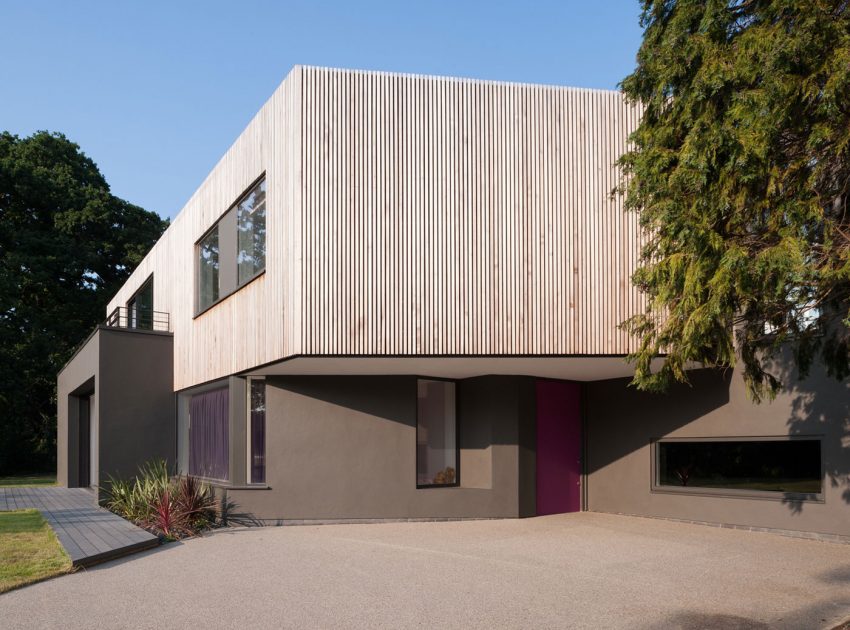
{"points": [[251, 233], [140, 307], [233, 252], [208, 267]]}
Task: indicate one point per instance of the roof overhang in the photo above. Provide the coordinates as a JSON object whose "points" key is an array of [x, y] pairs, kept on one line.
{"points": [[584, 368]]}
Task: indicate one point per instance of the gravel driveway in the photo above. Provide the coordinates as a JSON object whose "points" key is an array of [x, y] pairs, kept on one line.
{"points": [[568, 571]]}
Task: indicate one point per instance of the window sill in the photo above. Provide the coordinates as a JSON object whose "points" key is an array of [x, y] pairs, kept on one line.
{"points": [[437, 485], [226, 485], [759, 495], [234, 292]]}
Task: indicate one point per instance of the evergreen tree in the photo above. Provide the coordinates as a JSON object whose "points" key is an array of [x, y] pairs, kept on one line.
{"points": [[740, 173]]}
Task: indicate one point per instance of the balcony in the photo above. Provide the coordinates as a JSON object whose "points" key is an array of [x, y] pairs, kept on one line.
{"points": [[138, 319]]}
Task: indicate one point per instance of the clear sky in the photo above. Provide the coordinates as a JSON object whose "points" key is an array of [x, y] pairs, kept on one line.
{"points": [[155, 92]]}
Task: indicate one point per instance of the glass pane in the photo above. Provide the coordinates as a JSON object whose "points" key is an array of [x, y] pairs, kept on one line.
{"points": [[773, 465], [436, 434], [251, 230], [258, 431], [208, 270], [209, 435], [141, 308]]}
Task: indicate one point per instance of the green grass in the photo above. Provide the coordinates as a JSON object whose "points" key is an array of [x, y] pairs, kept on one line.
{"points": [[47, 479], [29, 550]]}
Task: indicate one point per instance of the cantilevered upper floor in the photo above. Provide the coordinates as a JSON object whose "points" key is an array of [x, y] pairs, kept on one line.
{"points": [[369, 214]]}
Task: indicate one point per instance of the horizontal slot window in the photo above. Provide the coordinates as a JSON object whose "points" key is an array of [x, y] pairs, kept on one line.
{"points": [[788, 466]]}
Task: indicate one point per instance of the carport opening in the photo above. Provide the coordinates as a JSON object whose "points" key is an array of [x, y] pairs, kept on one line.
{"points": [[82, 445]]}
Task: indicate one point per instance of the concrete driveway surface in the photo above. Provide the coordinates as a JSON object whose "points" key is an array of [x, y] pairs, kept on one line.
{"points": [[568, 571]]}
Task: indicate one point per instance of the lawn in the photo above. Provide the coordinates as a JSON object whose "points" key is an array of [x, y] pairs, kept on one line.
{"points": [[46, 479], [29, 550]]}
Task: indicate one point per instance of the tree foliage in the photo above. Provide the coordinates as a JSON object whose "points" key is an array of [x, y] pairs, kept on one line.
{"points": [[66, 246], [740, 173]]}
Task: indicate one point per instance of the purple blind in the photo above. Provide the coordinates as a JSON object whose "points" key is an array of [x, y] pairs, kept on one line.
{"points": [[209, 435], [258, 446]]}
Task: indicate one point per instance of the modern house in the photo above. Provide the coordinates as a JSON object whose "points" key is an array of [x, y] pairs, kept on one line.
{"points": [[398, 297]]}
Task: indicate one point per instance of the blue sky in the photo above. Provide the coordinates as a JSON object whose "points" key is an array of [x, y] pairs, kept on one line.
{"points": [[155, 91]]}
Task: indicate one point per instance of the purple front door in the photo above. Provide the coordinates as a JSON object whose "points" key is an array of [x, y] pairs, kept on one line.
{"points": [[558, 447]]}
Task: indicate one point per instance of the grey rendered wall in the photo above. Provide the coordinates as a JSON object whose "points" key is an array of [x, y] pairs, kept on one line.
{"points": [[345, 448], [136, 401], [621, 422], [80, 371]]}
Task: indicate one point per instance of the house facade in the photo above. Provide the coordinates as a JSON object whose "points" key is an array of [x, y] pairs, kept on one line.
{"points": [[399, 297]]}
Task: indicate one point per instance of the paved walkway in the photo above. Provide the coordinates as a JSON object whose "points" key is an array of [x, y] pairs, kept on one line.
{"points": [[88, 533], [567, 571]]}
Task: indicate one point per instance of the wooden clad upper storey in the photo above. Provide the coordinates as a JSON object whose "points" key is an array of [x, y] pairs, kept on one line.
{"points": [[411, 215]]}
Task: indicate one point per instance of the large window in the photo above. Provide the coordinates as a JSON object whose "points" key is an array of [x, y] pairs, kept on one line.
{"points": [[233, 252], [209, 434], [251, 233], [436, 434], [208, 268], [778, 465], [257, 440]]}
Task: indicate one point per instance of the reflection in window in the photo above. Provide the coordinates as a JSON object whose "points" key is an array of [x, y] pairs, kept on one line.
{"points": [[208, 264], [251, 231], [258, 431], [436, 434], [140, 307], [772, 465]]}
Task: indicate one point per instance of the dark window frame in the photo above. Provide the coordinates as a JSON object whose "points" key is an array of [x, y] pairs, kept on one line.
{"points": [[250, 431], [223, 295], [235, 207], [148, 282], [456, 483], [197, 270], [771, 495]]}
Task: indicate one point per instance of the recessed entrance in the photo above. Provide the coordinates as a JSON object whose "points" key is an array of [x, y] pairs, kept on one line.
{"points": [[84, 449]]}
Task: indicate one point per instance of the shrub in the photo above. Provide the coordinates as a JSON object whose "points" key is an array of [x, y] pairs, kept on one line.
{"points": [[169, 507], [132, 499]]}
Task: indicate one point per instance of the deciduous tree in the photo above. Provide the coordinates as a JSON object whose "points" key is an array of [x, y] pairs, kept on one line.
{"points": [[66, 245]]}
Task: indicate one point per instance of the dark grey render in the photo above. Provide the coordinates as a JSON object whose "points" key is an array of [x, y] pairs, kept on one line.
{"points": [[127, 374], [622, 424], [341, 448], [344, 447]]}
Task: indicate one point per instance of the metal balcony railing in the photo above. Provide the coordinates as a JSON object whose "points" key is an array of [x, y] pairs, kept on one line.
{"points": [[139, 319]]}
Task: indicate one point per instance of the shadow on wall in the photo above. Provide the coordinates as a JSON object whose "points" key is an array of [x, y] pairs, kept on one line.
{"points": [[232, 517], [820, 405], [621, 419], [489, 404], [388, 397]]}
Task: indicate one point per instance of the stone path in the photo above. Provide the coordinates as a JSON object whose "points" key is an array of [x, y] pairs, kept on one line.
{"points": [[90, 534]]}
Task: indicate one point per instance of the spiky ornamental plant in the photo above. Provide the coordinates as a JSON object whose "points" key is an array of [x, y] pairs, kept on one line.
{"points": [[740, 173]]}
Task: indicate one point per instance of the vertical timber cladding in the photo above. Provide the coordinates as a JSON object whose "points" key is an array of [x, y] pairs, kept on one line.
{"points": [[412, 215], [446, 216], [259, 323]]}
